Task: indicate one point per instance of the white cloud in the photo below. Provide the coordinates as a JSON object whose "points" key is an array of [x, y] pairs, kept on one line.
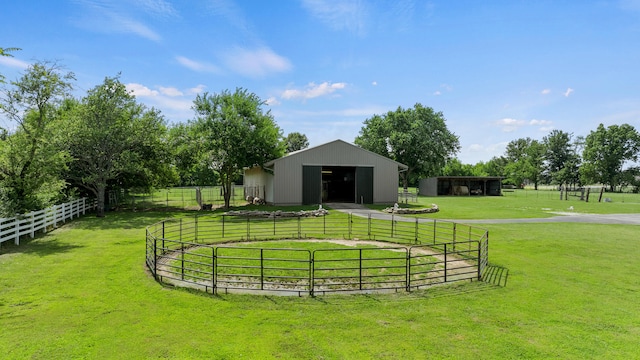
{"points": [[256, 63], [272, 101], [109, 17], [13, 62], [511, 125], [173, 103], [196, 65], [196, 90], [158, 7], [346, 15], [568, 92], [474, 153], [535, 122], [140, 90], [170, 91], [313, 90], [546, 92], [131, 26], [443, 87], [375, 83]]}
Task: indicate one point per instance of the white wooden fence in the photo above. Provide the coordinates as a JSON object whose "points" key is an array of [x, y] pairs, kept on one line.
{"points": [[28, 224]]}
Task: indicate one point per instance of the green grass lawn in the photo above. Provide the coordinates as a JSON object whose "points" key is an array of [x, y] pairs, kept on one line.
{"points": [[521, 204], [82, 292]]}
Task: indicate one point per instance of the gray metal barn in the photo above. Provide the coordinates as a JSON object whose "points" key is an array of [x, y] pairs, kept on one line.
{"points": [[333, 172], [461, 185]]}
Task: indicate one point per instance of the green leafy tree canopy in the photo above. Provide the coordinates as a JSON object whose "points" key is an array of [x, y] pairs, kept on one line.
{"points": [[233, 132], [296, 141], [606, 151], [417, 137]]}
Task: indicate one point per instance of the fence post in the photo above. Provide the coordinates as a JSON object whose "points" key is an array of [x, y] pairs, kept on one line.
{"points": [[248, 229], [417, 231], [407, 271], [261, 269], [223, 217], [360, 268], [155, 257], [349, 227], [445, 262], [324, 225], [392, 223], [213, 270], [479, 262], [454, 236], [182, 257], [84, 206], [32, 225], [311, 272], [369, 226], [17, 233], [196, 228], [434, 231], [299, 227]]}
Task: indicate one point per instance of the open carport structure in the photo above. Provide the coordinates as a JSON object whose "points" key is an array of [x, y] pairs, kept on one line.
{"points": [[333, 172], [461, 185]]}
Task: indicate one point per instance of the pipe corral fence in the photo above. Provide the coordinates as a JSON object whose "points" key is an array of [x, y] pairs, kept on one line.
{"points": [[222, 253]]}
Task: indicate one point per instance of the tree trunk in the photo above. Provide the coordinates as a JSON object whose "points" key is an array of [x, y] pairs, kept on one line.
{"points": [[226, 190], [405, 180], [100, 199]]}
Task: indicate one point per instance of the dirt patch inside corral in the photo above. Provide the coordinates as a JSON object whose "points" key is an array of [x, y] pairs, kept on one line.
{"points": [[455, 266]]}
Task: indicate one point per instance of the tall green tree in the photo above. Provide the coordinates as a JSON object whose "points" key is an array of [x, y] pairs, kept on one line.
{"points": [[525, 160], [114, 141], [496, 166], [606, 150], [234, 132], [561, 160], [417, 137], [296, 141], [187, 157], [455, 167], [30, 166]]}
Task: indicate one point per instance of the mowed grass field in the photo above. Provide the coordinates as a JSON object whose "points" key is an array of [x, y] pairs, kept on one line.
{"points": [[82, 292]]}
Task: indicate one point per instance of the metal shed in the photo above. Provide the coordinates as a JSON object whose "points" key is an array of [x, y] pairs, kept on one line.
{"points": [[333, 172], [461, 185]]}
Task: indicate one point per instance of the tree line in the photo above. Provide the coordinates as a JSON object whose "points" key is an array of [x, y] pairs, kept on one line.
{"points": [[607, 156], [58, 147]]}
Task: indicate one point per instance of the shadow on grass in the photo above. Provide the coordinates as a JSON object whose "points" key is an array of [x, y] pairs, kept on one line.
{"points": [[41, 245], [126, 219], [496, 275]]}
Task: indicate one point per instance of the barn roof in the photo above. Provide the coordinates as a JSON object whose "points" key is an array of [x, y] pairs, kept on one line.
{"points": [[270, 164]]}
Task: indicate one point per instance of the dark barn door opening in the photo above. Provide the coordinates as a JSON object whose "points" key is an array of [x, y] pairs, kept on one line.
{"points": [[364, 185], [338, 184], [311, 185]]}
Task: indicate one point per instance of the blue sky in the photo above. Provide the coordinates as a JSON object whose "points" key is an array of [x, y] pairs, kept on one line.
{"points": [[497, 70]]}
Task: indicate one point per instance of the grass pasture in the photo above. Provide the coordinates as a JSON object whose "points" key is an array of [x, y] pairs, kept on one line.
{"points": [[519, 204], [82, 292]]}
